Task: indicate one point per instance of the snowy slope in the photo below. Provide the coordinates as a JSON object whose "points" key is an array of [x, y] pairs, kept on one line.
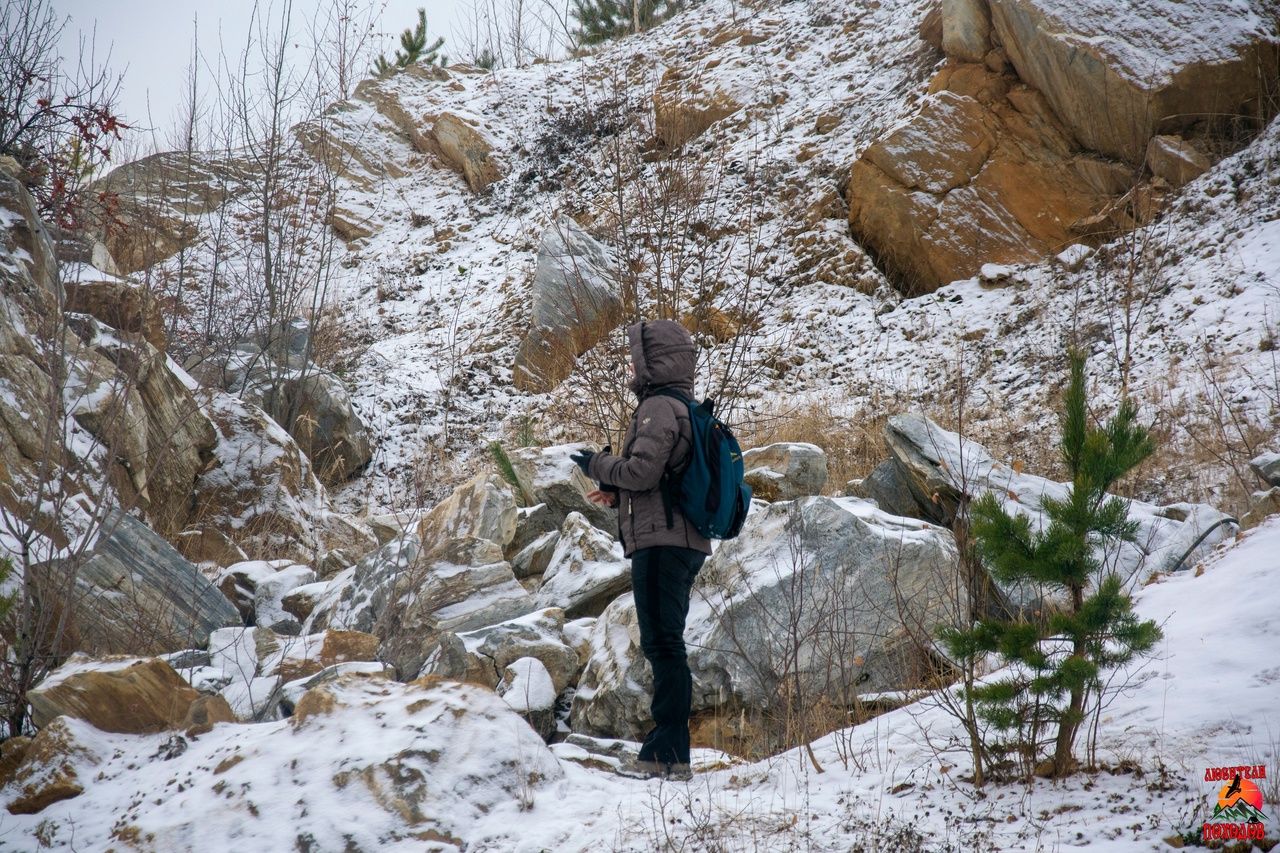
{"points": [[437, 299]]}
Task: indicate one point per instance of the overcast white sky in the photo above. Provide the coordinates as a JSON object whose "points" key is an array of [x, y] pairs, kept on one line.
{"points": [[151, 39]]}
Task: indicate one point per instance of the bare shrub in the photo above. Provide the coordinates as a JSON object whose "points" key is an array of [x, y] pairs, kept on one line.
{"points": [[57, 119], [685, 227]]}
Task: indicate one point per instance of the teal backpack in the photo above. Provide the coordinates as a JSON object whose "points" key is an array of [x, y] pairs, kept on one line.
{"points": [[710, 492]]}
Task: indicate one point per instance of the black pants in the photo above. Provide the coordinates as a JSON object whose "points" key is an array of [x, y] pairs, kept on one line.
{"points": [[661, 578]]}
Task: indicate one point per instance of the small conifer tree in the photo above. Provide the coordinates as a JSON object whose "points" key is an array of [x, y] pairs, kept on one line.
{"points": [[414, 49], [602, 20], [1056, 659]]}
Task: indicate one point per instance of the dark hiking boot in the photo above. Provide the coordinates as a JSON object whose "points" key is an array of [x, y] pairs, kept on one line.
{"points": [[635, 768], [678, 772]]}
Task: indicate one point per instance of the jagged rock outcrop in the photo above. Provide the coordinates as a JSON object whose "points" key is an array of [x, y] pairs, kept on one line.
{"points": [[984, 174], [120, 304], [482, 507], [938, 469], [1119, 73], [158, 200], [262, 494], [160, 435], [466, 149], [1011, 167], [585, 571], [136, 594], [30, 296], [408, 597], [576, 302]]}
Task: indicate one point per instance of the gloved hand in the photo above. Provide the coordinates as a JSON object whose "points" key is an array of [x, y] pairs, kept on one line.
{"points": [[583, 460]]}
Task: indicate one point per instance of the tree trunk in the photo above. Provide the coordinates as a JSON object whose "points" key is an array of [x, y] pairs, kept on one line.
{"points": [[1064, 762]]}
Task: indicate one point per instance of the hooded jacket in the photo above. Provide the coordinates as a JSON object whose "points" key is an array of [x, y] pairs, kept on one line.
{"points": [[659, 439]]}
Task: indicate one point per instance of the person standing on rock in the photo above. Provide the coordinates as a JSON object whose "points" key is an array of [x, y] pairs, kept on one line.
{"points": [[666, 551]]}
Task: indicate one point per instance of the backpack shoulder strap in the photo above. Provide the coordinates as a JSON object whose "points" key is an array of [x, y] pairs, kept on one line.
{"points": [[665, 486]]}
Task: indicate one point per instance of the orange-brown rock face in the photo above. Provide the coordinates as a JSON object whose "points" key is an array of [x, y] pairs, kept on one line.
{"points": [[133, 696], [985, 174]]}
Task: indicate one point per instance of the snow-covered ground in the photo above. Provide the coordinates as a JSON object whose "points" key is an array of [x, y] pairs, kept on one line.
{"points": [[434, 766], [439, 296]]}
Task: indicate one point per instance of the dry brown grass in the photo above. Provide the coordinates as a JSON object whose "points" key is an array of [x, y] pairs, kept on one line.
{"points": [[339, 339], [850, 435]]}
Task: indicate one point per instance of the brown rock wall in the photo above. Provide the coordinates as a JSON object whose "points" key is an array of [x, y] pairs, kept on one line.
{"points": [[984, 174]]}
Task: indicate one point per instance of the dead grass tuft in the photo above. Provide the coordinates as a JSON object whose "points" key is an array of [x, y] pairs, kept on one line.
{"points": [[850, 434]]}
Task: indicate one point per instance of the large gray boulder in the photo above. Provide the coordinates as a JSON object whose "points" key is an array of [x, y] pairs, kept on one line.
{"points": [[863, 591], [939, 468], [317, 409], [889, 489], [861, 586], [273, 370], [576, 302], [1267, 466], [137, 595], [785, 471], [408, 597], [1117, 73], [586, 570]]}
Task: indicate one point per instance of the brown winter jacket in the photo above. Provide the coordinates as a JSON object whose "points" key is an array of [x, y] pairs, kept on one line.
{"points": [[658, 439]]}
